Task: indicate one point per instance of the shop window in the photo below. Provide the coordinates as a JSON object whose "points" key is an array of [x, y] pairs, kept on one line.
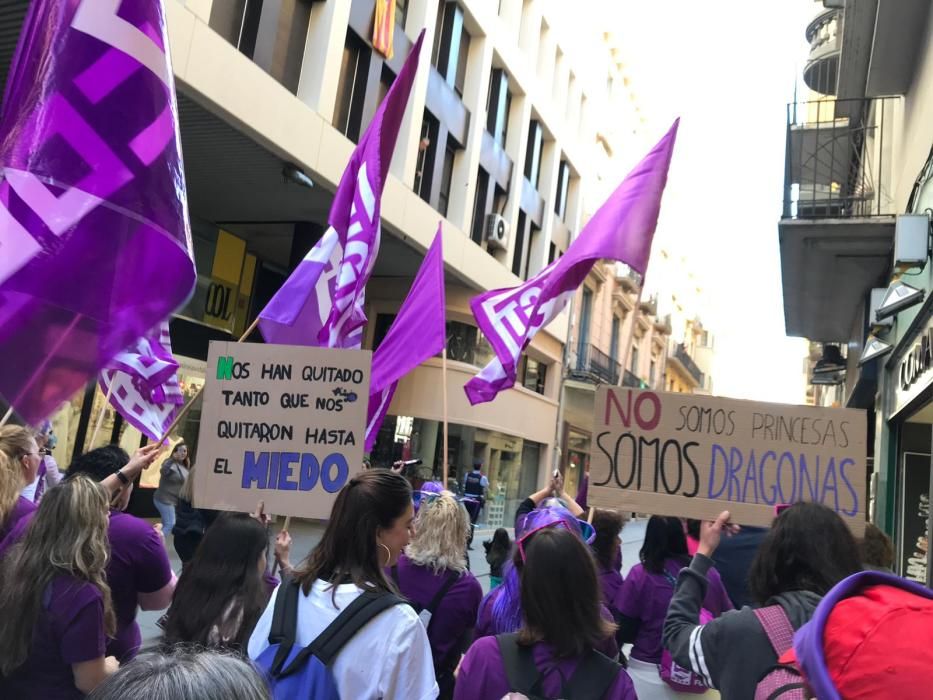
{"points": [[427, 148], [451, 46], [351, 88], [533, 153], [479, 206], [447, 174], [563, 188]]}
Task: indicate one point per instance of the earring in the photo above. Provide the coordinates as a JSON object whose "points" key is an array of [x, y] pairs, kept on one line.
{"points": [[388, 554]]}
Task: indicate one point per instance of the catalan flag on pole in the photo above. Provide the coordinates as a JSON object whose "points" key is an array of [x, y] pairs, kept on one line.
{"points": [[384, 27]]}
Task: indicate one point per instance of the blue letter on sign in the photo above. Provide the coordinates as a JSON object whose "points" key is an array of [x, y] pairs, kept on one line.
{"points": [[309, 472], [333, 482], [255, 470]]}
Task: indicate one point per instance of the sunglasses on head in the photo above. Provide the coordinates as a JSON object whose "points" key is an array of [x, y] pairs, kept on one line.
{"points": [[587, 533]]}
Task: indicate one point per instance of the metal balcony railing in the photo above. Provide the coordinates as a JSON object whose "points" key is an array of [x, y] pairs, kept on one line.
{"points": [[822, 66], [835, 163], [595, 365], [683, 357], [632, 380]]}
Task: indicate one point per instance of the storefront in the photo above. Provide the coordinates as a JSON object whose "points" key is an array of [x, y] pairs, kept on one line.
{"points": [[909, 393]]}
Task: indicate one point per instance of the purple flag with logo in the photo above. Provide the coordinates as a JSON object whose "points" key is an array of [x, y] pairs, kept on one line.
{"points": [[145, 383], [321, 303], [417, 333], [95, 247], [621, 229]]}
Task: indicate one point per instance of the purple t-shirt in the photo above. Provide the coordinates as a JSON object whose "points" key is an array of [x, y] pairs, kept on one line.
{"points": [[486, 628], [456, 614], [69, 630], [610, 581], [138, 564], [482, 674], [21, 508], [645, 597]]}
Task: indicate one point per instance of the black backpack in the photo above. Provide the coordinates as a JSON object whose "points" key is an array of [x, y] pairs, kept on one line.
{"points": [[593, 677]]}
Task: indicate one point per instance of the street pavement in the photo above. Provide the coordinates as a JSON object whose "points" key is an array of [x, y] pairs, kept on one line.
{"points": [[307, 533]]}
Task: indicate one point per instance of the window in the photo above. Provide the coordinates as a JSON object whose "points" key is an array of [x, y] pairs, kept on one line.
{"points": [[533, 375], [465, 343], [401, 13], [586, 308], [498, 103], [563, 188], [533, 153], [614, 339], [633, 365], [427, 148], [383, 324], [447, 174], [532, 240], [552, 254], [519, 254], [351, 88], [479, 207], [451, 46], [652, 371]]}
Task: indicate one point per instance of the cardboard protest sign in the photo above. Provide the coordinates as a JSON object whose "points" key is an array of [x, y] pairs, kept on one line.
{"points": [[695, 456], [280, 423]]}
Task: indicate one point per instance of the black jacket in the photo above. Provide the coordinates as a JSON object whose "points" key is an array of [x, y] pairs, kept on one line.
{"points": [[732, 652]]}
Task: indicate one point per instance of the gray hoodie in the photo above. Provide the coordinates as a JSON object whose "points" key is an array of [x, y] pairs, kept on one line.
{"points": [[732, 652]]}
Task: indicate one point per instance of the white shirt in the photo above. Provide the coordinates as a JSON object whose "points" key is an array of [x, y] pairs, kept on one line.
{"points": [[388, 659]]}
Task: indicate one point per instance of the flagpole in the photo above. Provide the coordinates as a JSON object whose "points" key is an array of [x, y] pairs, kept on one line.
{"points": [[100, 416], [187, 407], [6, 416], [444, 398]]}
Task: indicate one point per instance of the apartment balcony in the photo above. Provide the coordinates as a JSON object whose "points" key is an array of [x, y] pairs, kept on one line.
{"points": [[627, 278], [593, 365], [649, 307], [824, 35], [837, 226], [680, 359], [630, 379], [663, 325]]}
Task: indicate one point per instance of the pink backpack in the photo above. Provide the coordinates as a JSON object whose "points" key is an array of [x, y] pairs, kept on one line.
{"points": [[782, 681], [681, 679]]}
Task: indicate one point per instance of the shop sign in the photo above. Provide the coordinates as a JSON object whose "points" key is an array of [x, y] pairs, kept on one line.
{"points": [[915, 370], [281, 424], [220, 304], [915, 512], [695, 456]]}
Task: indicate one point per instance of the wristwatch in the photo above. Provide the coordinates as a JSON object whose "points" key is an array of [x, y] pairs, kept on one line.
{"points": [[122, 477]]}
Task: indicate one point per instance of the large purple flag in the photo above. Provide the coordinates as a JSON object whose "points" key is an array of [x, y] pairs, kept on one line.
{"points": [[622, 229], [95, 247], [144, 381], [417, 333], [321, 303]]}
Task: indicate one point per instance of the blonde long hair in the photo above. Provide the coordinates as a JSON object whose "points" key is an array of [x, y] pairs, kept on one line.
{"points": [[14, 443], [67, 537], [442, 529]]}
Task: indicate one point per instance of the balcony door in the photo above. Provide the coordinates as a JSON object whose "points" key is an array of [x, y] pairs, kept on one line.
{"points": [[614, 340], [586, 310]]}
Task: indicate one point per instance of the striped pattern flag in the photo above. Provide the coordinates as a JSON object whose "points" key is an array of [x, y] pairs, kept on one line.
{"points": [[145, 383], [384, 27]]}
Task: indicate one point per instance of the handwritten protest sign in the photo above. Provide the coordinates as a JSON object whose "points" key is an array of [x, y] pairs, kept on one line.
{"points": [[695, 456], [282, 424]]}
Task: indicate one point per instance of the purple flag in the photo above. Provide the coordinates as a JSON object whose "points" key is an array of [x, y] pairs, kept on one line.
{"points": [[95, 247], [145, 383], [622, 229], [321, 303], [417, 333]]}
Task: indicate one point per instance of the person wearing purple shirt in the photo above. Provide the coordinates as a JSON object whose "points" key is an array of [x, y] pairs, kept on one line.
{"points": [[19, 464], [607, 548], [54, 601], [554, 652], [645, 595], [433, 574]]}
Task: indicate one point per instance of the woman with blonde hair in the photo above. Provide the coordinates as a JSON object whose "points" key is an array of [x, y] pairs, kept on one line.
{"points": [[54, 598], [19, 466], [433, 575]]}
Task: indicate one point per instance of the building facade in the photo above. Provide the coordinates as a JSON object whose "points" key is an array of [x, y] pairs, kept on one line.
{"points": [[854, 240], [508, 110]]}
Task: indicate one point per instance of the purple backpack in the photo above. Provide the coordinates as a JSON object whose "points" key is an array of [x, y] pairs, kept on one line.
{"points": [[681, 679], [782, 681]]}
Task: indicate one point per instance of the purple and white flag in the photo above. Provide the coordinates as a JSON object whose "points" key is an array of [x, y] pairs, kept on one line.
{"points": [[321, 303], [95, 247], [417, 333], [621, 229], [145, 383]]}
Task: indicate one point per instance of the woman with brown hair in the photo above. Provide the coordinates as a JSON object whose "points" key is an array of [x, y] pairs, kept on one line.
{"points": [[370, 524], [54, 598], [19, 465]]}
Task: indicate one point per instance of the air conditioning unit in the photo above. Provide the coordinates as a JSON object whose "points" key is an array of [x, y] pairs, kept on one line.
{"points": [[497, 232]]}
